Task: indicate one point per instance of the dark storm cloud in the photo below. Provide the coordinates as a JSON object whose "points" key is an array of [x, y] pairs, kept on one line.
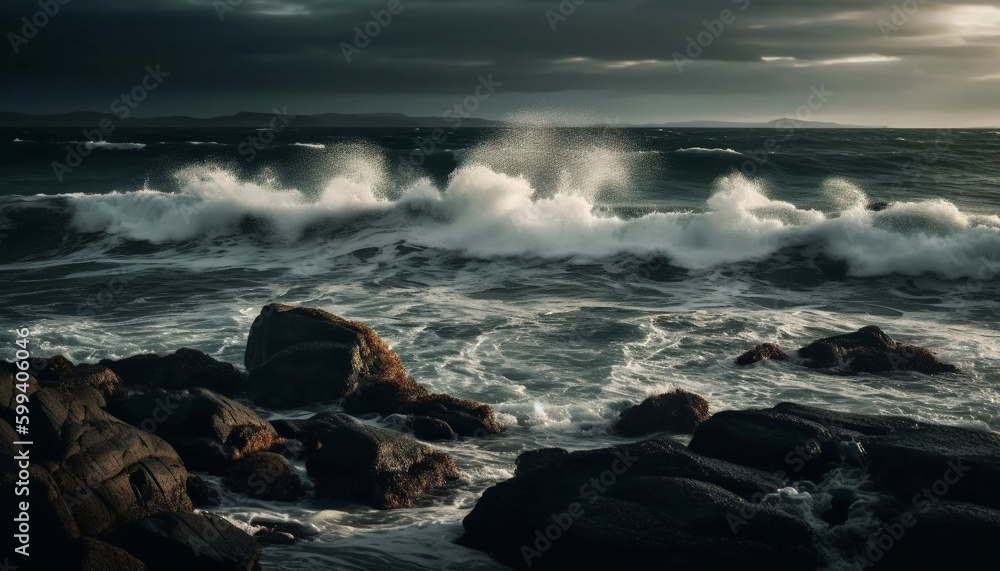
{"points": [[264, 50]]}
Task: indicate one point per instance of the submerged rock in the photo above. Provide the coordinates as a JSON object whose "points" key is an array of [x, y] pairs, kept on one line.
{"points": [[867, 350], [202, 493], [376, 467], [431, 429], [264, 476], [293, 529], [675, 411], [877, 206], [299, 356], [183, 369], [761, 352], [210, 431], [870, 350]]}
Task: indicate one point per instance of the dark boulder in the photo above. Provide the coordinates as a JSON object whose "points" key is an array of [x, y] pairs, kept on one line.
{"points": [[306, 373], [299, 356], [769, 440], [431, 429], [675, 411], [653, 500], [189, 541], [761, 352], [878, 206], [264, 476], [958, 463], [903, 456], [870, 350], [183, 369], [464, 417], [288, 527], [532, 459], [210, 431], [267, 536], [58, 372], [309, 430], [376, 467], [106, 472], [202, 493], [87, 554], [839, 422], [937, 535]]}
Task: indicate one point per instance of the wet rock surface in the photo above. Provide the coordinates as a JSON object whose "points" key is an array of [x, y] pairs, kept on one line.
{"points": [[677, 411]]}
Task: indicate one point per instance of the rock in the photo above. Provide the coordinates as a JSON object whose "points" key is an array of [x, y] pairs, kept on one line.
{"points": [[839, 422], [870, 350], [962, 462], [376, 467], [654, 500], [675, 411], [210, 431], [306, 373], [939, 535], [464, 417], [299, 356], [841, 500], [190, 541], [308, 431], [431, 429], [532, 459], [94, 555], [102, 471], [59, 372], [877, 206], [183, 369], [761, 352], [903, 456], [202, 493], [293, 528], [273, 537], [768, 440], [264, 476]]}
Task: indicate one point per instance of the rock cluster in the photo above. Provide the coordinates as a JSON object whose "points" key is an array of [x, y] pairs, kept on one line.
{"points": [[113, 443], [724, 500], [867, 350]]}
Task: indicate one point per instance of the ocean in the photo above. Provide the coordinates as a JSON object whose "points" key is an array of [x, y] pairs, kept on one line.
{"points": [[557, 274]]}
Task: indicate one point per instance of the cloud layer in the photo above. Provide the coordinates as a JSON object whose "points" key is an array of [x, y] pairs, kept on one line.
{"points": [[930, 63]]}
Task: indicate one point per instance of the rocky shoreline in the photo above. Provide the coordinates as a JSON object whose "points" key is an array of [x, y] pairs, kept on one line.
{"points": [[118, 447]]}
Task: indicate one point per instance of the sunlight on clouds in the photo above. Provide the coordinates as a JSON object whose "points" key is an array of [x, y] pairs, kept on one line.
{"points": [[633, 63], [980, 16], [870, 58]]}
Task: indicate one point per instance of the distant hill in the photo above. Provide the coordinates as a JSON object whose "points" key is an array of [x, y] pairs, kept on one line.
{"points": [[251, 120], [242, 120], [784, 122]]}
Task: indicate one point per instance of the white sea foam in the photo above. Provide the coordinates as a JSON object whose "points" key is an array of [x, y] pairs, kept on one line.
{"points": [[310, 145], [708, 151], [501, 203], [111, 146]]}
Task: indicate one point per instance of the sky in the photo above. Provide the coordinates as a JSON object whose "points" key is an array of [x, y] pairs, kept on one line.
{"points": [[918, 63]]}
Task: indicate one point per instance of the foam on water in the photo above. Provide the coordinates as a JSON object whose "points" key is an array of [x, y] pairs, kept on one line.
{"points": [[497, 204]]}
